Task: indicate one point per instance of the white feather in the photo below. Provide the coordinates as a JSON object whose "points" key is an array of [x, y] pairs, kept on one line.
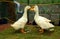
{"points": [[44, 19]]}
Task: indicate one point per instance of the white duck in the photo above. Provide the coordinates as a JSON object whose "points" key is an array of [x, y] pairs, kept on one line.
{"points": [[42, 21], [20, 23]]}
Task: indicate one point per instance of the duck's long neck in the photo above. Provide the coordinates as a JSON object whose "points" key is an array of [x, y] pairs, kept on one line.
{"points": [[25, 13], [36, 13]]}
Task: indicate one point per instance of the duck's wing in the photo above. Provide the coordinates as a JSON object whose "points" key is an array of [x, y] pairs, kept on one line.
{"points": [[19, 24], [44, 19]]}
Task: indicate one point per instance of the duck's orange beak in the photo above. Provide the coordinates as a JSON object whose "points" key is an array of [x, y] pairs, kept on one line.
{"points": [[32, 8]]}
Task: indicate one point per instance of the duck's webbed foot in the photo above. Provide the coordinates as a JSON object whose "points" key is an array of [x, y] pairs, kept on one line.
{"points": [[41, 30], [22, 30]]}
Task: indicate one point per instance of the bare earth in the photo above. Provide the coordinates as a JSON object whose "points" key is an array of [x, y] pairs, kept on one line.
{"points": [[4, 26]]}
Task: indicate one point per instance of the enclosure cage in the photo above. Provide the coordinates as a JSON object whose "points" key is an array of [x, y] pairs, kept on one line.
{"points": [[47, 8], [7, 10]]}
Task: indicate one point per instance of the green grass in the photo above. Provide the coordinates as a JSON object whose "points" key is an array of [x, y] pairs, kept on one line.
{"points": [[33, 34]]}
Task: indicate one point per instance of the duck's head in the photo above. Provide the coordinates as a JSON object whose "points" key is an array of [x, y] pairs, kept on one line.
{"points": [[27, 7], [34, 8]]}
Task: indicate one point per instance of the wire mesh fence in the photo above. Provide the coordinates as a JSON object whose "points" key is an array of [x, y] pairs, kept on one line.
{"points": [[50, 11]]}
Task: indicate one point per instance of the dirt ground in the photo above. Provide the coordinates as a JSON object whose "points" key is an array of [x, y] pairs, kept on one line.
{"points": [[4, 26]]}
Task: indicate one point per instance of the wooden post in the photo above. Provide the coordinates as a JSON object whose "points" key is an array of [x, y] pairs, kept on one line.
{"points": [[28, 11]]}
